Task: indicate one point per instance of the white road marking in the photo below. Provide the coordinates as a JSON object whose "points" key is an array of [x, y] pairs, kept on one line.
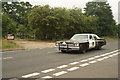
{"points": [[73, 63], [92, 61], [84, 60], [48, 70], [47, 77], [91, 58], [115, 51], [111, 55], [8, 58], [108, 53], [73, 68], [96, 56], [30, 75], [106, 57], [103, 55], [85, 64], [115, 54], [112, 52], [60, 73], [63, 66], [100, 59]]}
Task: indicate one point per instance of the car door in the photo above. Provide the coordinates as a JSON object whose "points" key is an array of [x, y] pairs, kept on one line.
{"points": [[91, 41]]}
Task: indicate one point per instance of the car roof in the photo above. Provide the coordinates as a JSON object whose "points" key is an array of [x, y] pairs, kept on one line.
{"points": [[84, 34]]}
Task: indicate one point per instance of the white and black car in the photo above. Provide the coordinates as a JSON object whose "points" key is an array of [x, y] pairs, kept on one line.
{"points": [[81, 42]]}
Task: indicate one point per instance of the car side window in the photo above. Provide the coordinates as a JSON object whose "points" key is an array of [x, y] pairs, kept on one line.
{"points": [[95, 37], [90, 37]]}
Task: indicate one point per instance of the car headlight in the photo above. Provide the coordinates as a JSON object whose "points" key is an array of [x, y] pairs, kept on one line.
{"points": [[56, 44], [76, 44]]}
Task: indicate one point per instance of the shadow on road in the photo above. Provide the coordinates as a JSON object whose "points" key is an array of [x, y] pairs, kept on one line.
{"points": [[78, 52]]}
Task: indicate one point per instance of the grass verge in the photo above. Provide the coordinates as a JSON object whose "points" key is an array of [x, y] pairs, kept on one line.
{"points": [[110, 38], [9, 45]]}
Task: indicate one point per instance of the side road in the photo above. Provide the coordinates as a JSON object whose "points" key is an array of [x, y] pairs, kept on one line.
{"points": [[34, 44], [21, 45]]}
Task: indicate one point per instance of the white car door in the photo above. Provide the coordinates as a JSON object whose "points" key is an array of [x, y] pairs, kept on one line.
{"points": [[91, 41]]}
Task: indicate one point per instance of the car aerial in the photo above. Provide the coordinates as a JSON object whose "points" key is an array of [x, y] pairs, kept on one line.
{"points": [[81, 42]]}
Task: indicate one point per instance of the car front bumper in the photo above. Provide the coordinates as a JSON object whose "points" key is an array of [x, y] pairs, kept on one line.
{"points": [[67, 47]]}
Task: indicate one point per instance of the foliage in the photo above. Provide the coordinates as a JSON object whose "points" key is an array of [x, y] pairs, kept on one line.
{"points": [[102, 10], [59, 23], [15, 17], [17, 11], [56, 23], [118, 30], [8, 25]]}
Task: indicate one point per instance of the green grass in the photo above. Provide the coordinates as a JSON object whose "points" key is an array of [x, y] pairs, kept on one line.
{"points": [[110, 38], [6, 44]]}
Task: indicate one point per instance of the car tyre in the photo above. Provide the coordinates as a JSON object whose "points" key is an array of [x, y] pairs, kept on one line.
{"points": [[64, 51], [99, 47], [83, 50]]}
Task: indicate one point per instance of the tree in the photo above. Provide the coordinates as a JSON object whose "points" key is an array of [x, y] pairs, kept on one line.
{"points": [[102, 10], [118, 30], [8, 25], [17, 11], [49, 23]]}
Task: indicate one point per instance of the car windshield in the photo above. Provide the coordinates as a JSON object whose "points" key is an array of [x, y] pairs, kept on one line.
{"points": [[79, 37]]}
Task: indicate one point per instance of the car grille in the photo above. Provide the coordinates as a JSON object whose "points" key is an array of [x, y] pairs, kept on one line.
{"points": [[66, 44]]}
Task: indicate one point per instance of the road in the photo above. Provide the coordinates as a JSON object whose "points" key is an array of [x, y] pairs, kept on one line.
{"points": [[50, 63]]}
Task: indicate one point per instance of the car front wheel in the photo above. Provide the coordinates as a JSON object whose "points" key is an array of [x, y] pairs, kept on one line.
{"points": [[83, 49], [64, 51]]}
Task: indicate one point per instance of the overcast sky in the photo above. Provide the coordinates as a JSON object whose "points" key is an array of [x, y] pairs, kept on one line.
{"points": [[74, 3]]}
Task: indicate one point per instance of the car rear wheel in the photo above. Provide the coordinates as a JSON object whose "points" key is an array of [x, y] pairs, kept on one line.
{"points": [[99, 47], [83, 49]]}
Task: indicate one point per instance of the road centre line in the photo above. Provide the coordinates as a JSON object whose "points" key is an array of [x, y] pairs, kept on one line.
{"points": [[91, 58], [105, 57], [92, 61], [111, 55], [73, 63], [100, 59], [47, 77], [30, 75], [84, 60], [85, 64], [100, 56], [116, 54], [63, 66], [96, 56], [59, 73], [73, 68], [48, 70]]}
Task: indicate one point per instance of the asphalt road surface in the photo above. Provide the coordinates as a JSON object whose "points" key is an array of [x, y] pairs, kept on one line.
{"points": [[50, 63]]}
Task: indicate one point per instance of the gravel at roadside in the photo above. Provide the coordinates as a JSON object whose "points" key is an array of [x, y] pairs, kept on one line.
{"points": [[34, 44]]}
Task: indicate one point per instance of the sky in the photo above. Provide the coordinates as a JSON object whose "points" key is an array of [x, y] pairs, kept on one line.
{"points": [[75, 3]]}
